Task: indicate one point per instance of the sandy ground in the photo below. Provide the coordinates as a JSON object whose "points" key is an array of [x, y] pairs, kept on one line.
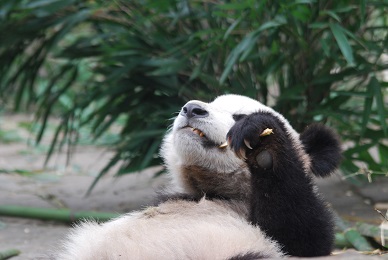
{"points": [[61, 185], [56, 189]]}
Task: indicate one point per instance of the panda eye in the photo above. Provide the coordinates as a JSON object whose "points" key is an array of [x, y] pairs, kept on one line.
{"points": [[238, 117]]}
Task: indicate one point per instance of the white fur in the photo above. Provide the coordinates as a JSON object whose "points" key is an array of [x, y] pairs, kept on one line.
{"points": [[173, 230]]}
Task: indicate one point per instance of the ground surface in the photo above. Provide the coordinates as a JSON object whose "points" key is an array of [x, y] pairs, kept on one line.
{"points": [[60, 185]]}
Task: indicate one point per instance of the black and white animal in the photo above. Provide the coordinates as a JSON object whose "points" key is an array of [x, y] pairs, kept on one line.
{"points": [[251, 198]]}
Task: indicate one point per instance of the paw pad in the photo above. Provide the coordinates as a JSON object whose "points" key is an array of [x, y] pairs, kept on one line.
{"points": [[264, 160]]}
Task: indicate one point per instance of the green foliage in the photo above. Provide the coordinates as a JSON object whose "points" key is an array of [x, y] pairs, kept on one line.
{"points": [[93, 62]]}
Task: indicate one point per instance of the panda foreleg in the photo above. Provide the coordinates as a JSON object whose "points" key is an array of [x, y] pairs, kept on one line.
{"points": [[283, 201]]}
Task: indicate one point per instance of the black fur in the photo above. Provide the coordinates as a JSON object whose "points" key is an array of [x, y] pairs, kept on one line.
{"points": [[249, 256], [324, 148], [283, 203]]}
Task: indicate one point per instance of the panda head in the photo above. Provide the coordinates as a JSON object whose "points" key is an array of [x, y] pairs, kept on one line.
{"points": [[196, 162]]}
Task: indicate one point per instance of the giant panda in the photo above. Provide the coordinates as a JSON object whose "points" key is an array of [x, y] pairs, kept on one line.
{"points": [[241, 188]]}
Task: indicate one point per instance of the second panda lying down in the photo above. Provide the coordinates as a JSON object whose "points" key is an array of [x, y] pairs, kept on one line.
{"points": [[251, 198]]}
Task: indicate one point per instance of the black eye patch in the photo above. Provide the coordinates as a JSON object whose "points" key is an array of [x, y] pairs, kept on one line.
{"points": [[238, 117]]}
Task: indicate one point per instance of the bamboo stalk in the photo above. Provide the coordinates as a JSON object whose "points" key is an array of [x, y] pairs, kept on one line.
{"points": [[352, 235], [63, 215], [341, 241], [9, 253]]}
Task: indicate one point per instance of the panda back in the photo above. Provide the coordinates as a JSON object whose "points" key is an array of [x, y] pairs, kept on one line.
{"points": [[173, 230]]}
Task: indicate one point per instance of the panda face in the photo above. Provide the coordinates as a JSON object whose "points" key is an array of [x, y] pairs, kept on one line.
{"points": [[195, 140], [192, 152]]}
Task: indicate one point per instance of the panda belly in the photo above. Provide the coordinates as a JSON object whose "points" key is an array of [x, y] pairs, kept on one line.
{"points": [[173, 230]]}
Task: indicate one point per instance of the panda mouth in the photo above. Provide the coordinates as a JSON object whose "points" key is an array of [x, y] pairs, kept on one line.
{"points": [[206, 141], [198, 132]]}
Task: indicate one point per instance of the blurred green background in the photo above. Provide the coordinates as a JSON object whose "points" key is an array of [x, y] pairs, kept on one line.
{"points": [[133, 64]]}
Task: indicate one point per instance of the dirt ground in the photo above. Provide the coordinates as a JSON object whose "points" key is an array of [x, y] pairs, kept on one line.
{"points": [[60, 185]]}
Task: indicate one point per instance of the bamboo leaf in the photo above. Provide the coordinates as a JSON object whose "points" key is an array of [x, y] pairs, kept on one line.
{"points": [[383, 154], [305, 1], [152, 150], [333, 15], [367, 109], [358, 149], [375, 85], [53, 142], [232, 59], [246, 45], [367, 157], [6, 7], [43, 8], [104, 171], [50, 98], [231, 27], [42, 3], [343, 43], [363, 10]]}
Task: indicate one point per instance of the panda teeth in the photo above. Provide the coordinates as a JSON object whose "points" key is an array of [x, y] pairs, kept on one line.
{"points": [[198, 132]]}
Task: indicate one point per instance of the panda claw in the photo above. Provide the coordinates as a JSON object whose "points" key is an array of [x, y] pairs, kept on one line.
{"points": [[241, 154], [223, 145], [247, 144]]}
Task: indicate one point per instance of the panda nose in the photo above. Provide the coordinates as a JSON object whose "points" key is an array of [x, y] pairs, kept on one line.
{"points": [[193, 111]]}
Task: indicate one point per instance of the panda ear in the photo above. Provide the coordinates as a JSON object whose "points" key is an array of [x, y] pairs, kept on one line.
{"points": [[323, 146]]}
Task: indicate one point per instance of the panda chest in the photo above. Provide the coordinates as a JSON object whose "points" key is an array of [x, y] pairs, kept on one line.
{"points": [[201, 181]]}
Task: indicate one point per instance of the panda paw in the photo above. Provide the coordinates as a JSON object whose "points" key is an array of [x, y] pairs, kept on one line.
{"points": [[250, 133]]}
